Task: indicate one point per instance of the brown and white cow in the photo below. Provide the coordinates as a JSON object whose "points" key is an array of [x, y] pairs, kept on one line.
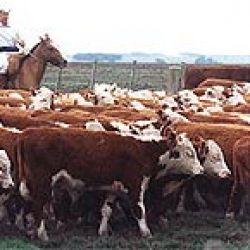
{"points": [[241, 170], [180, 187], [6, 182], [5, 177], [225, 135], [98, 158]]}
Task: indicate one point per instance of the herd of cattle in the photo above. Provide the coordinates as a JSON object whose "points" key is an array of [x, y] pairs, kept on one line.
{"points": [[77, 156]]}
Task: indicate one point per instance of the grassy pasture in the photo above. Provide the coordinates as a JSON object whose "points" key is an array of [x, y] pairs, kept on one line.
{"points": [[188, 231]]}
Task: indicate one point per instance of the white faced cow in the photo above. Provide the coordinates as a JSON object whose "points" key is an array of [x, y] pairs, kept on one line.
{"points": [[98, 158]]}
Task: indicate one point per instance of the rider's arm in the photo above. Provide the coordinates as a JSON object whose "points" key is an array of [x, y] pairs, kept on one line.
{"points": [[18, 41]]}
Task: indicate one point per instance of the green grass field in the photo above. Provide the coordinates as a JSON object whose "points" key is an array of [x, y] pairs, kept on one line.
{"points": [[188, 231]]}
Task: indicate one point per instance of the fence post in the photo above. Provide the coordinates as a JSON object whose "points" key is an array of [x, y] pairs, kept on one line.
{"points": [[94, 67], [132, 74], [59, 80], [183, 68]]}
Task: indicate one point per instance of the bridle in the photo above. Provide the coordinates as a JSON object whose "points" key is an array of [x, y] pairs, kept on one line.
{"points": [[35, 57], [31, 54]]}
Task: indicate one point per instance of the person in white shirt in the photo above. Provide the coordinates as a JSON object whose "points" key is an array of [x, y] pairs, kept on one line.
{"points": [[10, 41]]}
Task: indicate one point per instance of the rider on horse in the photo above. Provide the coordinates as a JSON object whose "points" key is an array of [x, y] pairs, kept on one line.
{"points": [[10, 41], [20, 68]]}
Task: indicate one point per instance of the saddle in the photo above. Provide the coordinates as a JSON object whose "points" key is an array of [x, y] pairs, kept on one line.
{"points": [[14, 63]]}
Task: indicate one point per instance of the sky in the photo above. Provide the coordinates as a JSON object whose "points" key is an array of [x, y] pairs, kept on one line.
{"points": [[123, 26]]}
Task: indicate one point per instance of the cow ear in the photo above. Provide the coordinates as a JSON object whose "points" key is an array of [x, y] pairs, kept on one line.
{"points": [[200, 109], [174, 154], [166, 131], [159, 113], [206, 150], [180, 137], [173, 135], [203, 149]]}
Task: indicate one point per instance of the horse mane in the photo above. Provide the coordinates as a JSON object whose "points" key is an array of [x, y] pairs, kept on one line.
{"points": [[34, 47], [30, 52], [22, 60]]}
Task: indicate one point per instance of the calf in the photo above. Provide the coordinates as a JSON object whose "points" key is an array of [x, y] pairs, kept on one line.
{"points": [[98, 158]]}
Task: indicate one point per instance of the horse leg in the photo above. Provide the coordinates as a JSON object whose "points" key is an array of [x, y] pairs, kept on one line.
{"points": [[3, 81]]}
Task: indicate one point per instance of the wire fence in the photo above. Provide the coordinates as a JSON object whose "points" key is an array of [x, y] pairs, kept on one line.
{"points": [[132, 75]]}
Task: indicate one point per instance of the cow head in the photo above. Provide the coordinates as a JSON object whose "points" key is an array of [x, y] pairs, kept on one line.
{"points": [[42, 99], [6, 181], [167, 117], [188, 97], [181, 156], [211, 157]]}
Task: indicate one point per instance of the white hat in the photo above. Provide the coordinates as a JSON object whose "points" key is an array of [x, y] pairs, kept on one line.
{"points": [[4, 7]]}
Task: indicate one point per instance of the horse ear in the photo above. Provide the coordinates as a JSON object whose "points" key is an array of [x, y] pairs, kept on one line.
{"points": [[41, 39], [46, 36]]}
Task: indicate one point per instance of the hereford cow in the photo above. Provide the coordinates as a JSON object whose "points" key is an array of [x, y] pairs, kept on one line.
{"points": [[168, 187], [240, 194], [98, 158], [195, 74], [5, 177], [6, 182], [8, 140], [225, 135], [227, 83], [21, 119], [241, 108], [217, 117]]}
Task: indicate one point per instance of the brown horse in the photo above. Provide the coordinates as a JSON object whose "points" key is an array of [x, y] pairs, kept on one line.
{"points": [[26, 71]]}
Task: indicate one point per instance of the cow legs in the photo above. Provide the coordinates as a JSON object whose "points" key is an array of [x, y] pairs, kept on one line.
{"points": [[106, 212], [198, 197], [180, 206], [38, 198], [139, 207], [243, 206], [235, 201]]}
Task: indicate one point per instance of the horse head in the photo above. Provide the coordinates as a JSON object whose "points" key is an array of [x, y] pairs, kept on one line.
{"points": [[45, 50]]}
